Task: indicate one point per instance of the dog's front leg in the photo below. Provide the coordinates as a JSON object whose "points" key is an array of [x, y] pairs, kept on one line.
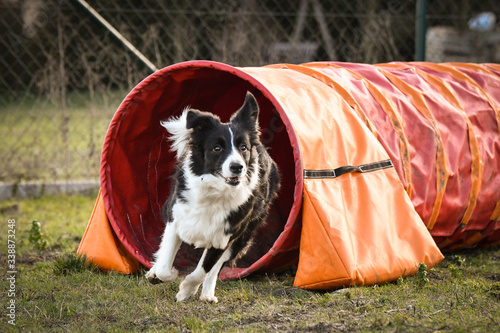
{"points": [[192, 282], [208, 291], [163, 270]]}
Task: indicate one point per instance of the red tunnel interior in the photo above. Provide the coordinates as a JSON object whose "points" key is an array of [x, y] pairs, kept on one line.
{"points": [[137, 163]]}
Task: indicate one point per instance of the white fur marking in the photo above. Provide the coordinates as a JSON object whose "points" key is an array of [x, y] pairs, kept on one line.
{"points": [[163, 266], [192, 282], [208, 291], [179, 134], [201, 220], [234, 157]]}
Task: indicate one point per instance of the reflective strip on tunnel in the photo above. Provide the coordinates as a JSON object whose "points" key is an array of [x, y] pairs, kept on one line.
{"points": [[334, 173]]}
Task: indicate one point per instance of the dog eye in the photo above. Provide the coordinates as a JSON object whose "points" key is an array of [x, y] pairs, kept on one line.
{"points": [[217, 148], [243, 147]]}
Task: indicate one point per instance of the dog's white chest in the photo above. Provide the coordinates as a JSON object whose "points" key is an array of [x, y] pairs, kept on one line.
{"points": [[202, 227], [201, 218]]}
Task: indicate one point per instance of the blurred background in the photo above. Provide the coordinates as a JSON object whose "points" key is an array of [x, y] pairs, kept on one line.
{"points": [[64, 70]]}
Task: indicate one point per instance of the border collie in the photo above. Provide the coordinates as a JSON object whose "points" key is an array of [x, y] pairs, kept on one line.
{"points": [[222, 189]]}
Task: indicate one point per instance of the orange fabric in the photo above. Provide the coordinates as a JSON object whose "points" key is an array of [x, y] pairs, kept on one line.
{"points": [[358, 235], [102, 247], [346, 95], [439, 123], [358, 228], [386, 103], [442, 171], [459, 76], [472, 90], [477, 164], [495, 216]]}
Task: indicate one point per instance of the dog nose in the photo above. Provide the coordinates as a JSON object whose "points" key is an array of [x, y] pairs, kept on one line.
{"points": [[236, 168]]}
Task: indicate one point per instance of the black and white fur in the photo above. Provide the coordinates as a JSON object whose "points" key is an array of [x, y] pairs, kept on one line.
{"points": [[224, 184]]}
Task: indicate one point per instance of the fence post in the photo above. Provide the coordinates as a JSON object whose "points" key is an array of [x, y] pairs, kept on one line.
{"points": [[420, 29]]}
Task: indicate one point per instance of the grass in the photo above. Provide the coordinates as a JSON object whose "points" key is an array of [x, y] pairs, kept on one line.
{"points": [[56, 291], [40, 141]]}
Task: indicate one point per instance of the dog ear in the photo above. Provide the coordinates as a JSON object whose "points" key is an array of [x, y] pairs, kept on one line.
{"points": [[179, 134], [248, 114], [198, 120]]}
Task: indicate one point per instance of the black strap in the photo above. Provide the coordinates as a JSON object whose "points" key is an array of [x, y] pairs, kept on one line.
{"points": [[334, 173]]}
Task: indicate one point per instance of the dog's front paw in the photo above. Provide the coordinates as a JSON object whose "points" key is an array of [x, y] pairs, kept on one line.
{"points": [[151, 276], [167, 275], [184, 295], [187, 289], [155, 275], [154, 280], [210, 299]]}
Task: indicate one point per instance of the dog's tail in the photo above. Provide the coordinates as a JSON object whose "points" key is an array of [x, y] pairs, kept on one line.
{"points": [[179, 134]]}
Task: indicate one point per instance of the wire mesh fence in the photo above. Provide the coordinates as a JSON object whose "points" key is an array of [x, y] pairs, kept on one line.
{"points": [[63, 73]]}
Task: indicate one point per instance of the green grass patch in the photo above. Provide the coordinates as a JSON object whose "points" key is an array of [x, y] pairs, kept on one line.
{"points": [[44, 140], [71, 262], [57, 290]]}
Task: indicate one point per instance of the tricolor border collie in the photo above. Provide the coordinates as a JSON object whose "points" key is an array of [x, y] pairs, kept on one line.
{"points": [[222, 189]]}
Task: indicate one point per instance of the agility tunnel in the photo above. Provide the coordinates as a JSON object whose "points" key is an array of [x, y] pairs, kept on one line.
{"points": [[382, 166]]}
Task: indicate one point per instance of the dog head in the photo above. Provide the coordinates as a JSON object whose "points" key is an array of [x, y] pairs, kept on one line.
{"points": [[226, 151]]}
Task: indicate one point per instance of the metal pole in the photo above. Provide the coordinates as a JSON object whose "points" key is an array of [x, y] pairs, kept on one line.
{"points": [[118, 35], [420, 29]]}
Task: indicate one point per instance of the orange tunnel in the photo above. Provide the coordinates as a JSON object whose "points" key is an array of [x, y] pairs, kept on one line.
{"points": [[379, 163]]}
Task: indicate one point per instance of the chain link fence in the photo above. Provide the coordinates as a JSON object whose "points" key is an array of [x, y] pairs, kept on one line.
{"points": [[63, 73]]}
